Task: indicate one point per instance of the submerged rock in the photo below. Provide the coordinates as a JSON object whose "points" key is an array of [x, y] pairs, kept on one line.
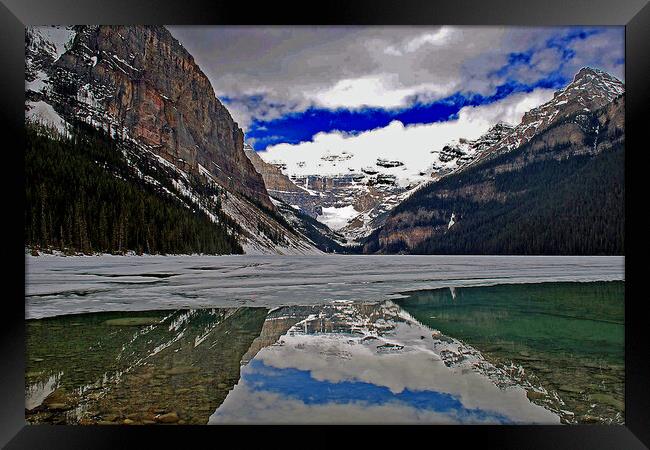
{"points": [[570, 389], [608, 400], [534, 395], [132, 321], [389, 347], [588, 419], [106, 422], [58, 407], [181, 370], [110, 417], [58, 400], [171, 417]]}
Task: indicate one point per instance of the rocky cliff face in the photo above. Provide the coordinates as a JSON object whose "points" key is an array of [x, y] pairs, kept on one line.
{"points": [[139, 85], [138, 81], [280, 186], [464, 151]]}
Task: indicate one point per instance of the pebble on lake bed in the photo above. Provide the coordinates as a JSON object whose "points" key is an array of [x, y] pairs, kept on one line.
{"points": [[171, 417]]}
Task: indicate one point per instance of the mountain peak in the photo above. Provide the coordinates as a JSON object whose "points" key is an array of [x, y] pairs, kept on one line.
{"points": [[590, 90], [592, 72], [590, 85], [501, 125], [588, 70], [589, 81]]}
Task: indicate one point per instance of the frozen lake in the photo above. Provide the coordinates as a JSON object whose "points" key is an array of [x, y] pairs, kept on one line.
{"points": [[68, 285]]}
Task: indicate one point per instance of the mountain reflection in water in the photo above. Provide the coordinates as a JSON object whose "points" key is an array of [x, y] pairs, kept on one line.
{"points": [[342, 362], [151, 367], [370, 363]]}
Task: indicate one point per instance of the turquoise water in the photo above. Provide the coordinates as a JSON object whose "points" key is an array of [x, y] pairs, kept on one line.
{"points": [[567, 337]]}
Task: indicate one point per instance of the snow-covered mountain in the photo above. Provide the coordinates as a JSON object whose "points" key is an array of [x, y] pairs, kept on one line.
{"points": [[352, 190], [349, 203], [139, 85], [590, 90], [280, 186], [352, 193], [44, 46]]}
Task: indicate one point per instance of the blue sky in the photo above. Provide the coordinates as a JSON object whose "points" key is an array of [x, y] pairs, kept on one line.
{"points": [[287, 85], [297, 384], [301, 126]]}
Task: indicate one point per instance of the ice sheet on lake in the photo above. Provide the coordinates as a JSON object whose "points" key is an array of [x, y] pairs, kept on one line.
{"points": [[66, 285]]}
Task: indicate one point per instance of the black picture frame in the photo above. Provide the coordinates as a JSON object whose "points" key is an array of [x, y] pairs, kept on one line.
{"points": [[633, 14]]}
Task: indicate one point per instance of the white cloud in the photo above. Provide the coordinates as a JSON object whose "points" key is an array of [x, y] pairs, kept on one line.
{"points": [[247, 406], [603, 51], [439, 37], [293, 68], [368, 91], [378, 91]]}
